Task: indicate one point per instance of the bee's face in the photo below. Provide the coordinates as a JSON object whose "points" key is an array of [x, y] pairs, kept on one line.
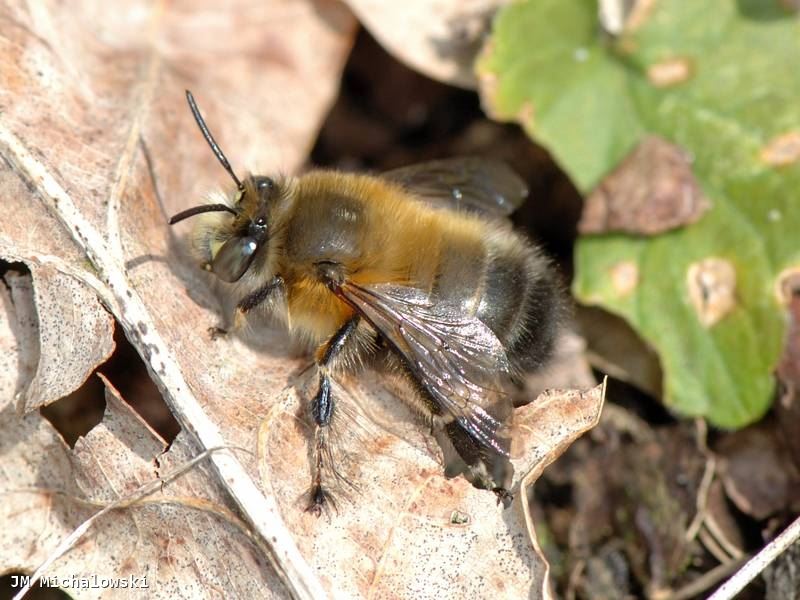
{"points": [[229, 243], [236, 247]]}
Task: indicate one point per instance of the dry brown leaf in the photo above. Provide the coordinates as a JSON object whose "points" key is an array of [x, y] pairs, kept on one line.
{"points": [[63, 330], [459, 524], [101, 149], [439, 38]]}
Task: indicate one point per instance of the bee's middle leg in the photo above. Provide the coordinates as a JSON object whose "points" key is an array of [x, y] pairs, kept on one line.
{"points": [[322, 407]]}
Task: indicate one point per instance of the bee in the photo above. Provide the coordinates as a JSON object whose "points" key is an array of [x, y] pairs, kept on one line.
{"points": [[418, 269]]}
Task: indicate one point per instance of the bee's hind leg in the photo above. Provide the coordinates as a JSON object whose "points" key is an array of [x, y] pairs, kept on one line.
{"points": [[322, 407]]}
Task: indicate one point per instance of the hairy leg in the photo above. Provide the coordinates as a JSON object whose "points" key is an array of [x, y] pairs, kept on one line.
{"points": [[322, 407]]}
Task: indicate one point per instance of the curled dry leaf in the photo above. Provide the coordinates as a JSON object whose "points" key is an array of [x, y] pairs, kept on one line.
{"points": [[100, 151], [652, 191], [48, 490], [439, 38], [188, 524]]}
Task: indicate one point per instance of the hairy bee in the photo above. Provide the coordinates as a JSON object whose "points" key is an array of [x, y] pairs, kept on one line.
{"points": [[418, 267]]}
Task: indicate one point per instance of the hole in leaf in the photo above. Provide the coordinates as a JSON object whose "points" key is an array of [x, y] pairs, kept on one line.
{"points": [[76, 414], [127, 372], [19, 267]]}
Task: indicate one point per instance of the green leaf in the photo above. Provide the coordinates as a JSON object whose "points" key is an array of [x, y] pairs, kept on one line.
{"points": [[720, 78]]}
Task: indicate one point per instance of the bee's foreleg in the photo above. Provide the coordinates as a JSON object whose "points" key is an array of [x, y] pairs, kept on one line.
{"points": [[322, 407], [248, 303]]}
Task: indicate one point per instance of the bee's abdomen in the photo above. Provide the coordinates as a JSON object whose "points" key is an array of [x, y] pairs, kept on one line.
{"points": [[505, 282], [520, 300]]}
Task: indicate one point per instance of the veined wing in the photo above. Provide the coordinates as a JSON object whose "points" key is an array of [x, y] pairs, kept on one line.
{"points": [[457, 359]]}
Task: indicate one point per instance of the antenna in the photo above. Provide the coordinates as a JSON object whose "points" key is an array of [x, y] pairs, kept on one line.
{"points": [[190, 212], [210, 139]]}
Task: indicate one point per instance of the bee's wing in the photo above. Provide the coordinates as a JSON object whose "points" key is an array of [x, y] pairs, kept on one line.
{"points": [[473, 184], [458, 360]]}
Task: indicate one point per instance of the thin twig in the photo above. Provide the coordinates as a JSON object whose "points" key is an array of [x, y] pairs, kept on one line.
{"points": [[758, 563], [714, 530], [702, 499], [710, 543]]}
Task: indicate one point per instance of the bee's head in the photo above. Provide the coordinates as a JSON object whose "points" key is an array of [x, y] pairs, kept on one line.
{"points": [[230, 242]]}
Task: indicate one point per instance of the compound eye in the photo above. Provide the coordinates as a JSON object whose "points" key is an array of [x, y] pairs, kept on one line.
{"points": [[234, 258]]}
